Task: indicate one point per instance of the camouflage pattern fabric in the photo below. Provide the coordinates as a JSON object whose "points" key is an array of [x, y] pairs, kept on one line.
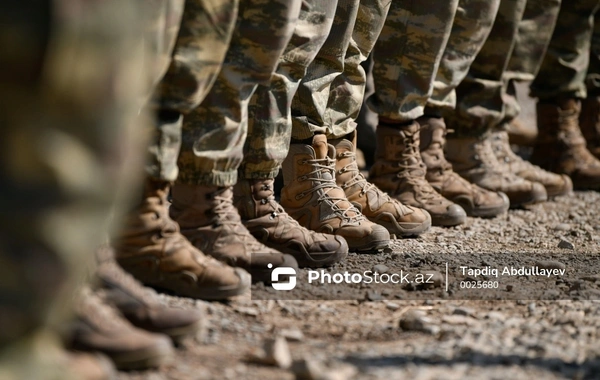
{"points": [[592, 78], [563, 70], [471, 27], [71, 83], [533, 37], [193, 66], [214, 133], [270, 119], [407, 56], [331, 94], [480, 106]]}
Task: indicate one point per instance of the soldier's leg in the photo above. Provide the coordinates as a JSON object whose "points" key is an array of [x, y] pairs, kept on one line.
{"points": [[406, 59], [67, 141], [214, 135], [590, 106], [560, 86]]}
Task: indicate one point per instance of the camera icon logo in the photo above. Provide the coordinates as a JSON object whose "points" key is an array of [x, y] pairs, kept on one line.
{"points": [[288, 272]]}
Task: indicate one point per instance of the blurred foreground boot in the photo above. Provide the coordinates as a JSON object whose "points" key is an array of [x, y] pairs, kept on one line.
{"points": [[98, 327], [560, 146], [589, 121], [313, 198], [475, 200], [520, 133], [555, 184], [474, 159], [400, 171], [268, 222], [141, 305], [377, 206], [151, 248], [209, 220], [86, 366]]}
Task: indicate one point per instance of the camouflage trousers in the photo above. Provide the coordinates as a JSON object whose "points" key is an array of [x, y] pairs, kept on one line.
{"points": [[592, 79], [270, 118], [565, 65], [407, 56], [201, 38], [214, 133], [533, 37], [68, 144], [480, 105], [331, 93]]}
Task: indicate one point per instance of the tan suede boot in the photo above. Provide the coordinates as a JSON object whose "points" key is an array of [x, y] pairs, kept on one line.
{"points": [[555, 184], [376, 205], [98, 327], [209, 220], [268, 222], [475, 200], [561, 148], [473, 158], [400, 171], [152, 249], [589, 121], [312, 197], [141, 305]]}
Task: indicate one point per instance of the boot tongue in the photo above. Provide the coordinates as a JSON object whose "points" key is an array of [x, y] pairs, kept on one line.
{"points": [[320, 146]]}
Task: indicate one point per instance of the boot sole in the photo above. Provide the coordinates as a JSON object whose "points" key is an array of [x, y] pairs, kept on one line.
{"points": [[148, 358], [489, 212], [304, 258], [394, 228]]}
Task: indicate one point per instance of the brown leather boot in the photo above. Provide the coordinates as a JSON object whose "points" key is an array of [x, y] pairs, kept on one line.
{"points": [[561, 148], [589, 121], [98, 327], [521, 133], [475, 200], [473, 159], [142, 306], [376, 205], [268, 222], [89, 366], [312, 197], [400, 171], [209, 220], [555, 184], [152, 249]]}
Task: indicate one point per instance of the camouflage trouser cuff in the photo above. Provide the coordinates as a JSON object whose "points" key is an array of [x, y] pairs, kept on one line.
{"points": [[302, 129], [162, 173], [214, 178], [247, 173]]}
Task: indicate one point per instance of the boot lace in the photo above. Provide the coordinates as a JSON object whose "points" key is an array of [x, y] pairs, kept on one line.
{"points": [[327, 165], [357, 177], [413, 168]]}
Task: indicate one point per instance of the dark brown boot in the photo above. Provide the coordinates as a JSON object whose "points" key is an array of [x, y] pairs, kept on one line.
{"points": [[151, 248], [589, 121], [313, 198], [210, 221], [475, 200], [268, 222], [376, 205], [473, 158], [555, 184], [142, 306], [100, 328], [400, 171], [561, 148]]}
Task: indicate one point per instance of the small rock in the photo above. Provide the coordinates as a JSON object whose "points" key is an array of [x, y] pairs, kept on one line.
{"points": [[416, 320], [573, 318], [562, 227], [509, 288], [380, 268], [458, 320], [372, 295], [392, 305], [434, 279], [252, 311], [275, 352], [566, 244], [292, 334], [308, 369], [464, 311], [496, 316], [550, 264]]}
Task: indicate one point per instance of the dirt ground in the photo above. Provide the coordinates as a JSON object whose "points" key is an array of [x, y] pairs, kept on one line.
{"points": [[527, 327]]}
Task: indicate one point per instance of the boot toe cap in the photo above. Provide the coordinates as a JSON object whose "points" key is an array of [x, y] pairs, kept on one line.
{"points": [[453, 216]]}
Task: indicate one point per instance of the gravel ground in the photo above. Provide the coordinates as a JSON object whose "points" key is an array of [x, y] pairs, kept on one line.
{"points": [[547, 331]]}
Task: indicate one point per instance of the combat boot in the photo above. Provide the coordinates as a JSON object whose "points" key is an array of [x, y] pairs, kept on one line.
{"points": [[99, 327], [209, 220], [142, 306], [268, 222], [561, 148], [312, 197], [589, 121], [555, 184], [89, 366], [151, 248], [400, 171], [475, 200], [377, 206], [473, 159]]}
